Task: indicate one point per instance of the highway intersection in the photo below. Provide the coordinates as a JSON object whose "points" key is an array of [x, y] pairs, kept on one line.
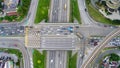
{"points": [[58, 36]]}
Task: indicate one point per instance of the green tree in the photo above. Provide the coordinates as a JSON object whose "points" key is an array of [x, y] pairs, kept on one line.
{"points": [[114, 57]]}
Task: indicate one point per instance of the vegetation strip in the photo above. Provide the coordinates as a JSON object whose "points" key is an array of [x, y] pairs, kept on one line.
{"points": [[42, 11], [75, 14], [39, 59], [72, 60]]}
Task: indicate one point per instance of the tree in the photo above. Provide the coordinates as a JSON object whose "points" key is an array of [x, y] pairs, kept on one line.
{"points": [[114, 57]]}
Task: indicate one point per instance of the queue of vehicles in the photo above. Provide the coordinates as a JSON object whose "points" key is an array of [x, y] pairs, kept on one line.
{"points": [[11, 30]]}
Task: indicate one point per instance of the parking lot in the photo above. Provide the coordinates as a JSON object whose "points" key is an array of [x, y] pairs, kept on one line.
{"points": [[96, 40], [115, 41]]}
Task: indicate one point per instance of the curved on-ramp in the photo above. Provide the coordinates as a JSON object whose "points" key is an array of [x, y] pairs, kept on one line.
{"points": [[100, 47], [25, 54]]}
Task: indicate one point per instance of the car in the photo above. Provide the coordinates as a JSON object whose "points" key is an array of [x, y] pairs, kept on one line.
{"points": [[85, 10], [2, 32], [95, 43], [70, 28], [65, 33], [51, 60], [22, 27], [63, 28], [21, 31], [57, 34], [105, 25], [2, 28], [15, 45], [76, 26]]}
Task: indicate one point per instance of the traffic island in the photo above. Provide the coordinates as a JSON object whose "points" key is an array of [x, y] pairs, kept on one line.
{"points": [[72, 60], [42, 11], [74, 11], [39, 59]]}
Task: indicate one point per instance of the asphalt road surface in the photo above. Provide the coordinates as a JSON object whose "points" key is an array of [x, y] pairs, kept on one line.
{"points": [[57, 59], [59, 11]]}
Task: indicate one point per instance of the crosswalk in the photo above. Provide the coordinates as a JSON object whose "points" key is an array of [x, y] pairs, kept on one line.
{"points": [[32, 37]]}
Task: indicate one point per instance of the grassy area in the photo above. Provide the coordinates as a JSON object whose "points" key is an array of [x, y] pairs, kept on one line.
{"points": [[74, 11], [12, 51], [23, 9], [39, 59], [11, 18], [110, 48], [42, 11], [97, 16], [114, 57], [72, 60]]}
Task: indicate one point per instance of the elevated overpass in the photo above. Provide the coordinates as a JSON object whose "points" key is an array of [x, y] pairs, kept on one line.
{"points": [[51, 36], [45, 31]]}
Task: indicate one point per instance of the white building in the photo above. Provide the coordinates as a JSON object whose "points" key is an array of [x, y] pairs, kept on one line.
{"points": [[9, 64]]}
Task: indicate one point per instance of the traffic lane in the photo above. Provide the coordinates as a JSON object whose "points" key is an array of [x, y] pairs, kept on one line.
{"points": [[54, 11], [32, 12], [51, 59], [56, 30], [50, 42], [81, 4], [11, 30], [88, 31], [61, 59], [64, 11], [81, 53]]}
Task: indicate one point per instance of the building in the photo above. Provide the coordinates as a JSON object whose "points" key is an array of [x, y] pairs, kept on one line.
{"points": [[10, 6], [109, 8], [9, 64], [11, 13], [113, 4]]}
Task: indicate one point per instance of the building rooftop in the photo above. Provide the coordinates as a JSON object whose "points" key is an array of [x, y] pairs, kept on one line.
{"points": [[8, 64], [113, 4], [11, 13], [10, 5]]}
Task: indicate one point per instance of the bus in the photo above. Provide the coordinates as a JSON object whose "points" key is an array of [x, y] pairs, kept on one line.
{"points": [[79, 35]]}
